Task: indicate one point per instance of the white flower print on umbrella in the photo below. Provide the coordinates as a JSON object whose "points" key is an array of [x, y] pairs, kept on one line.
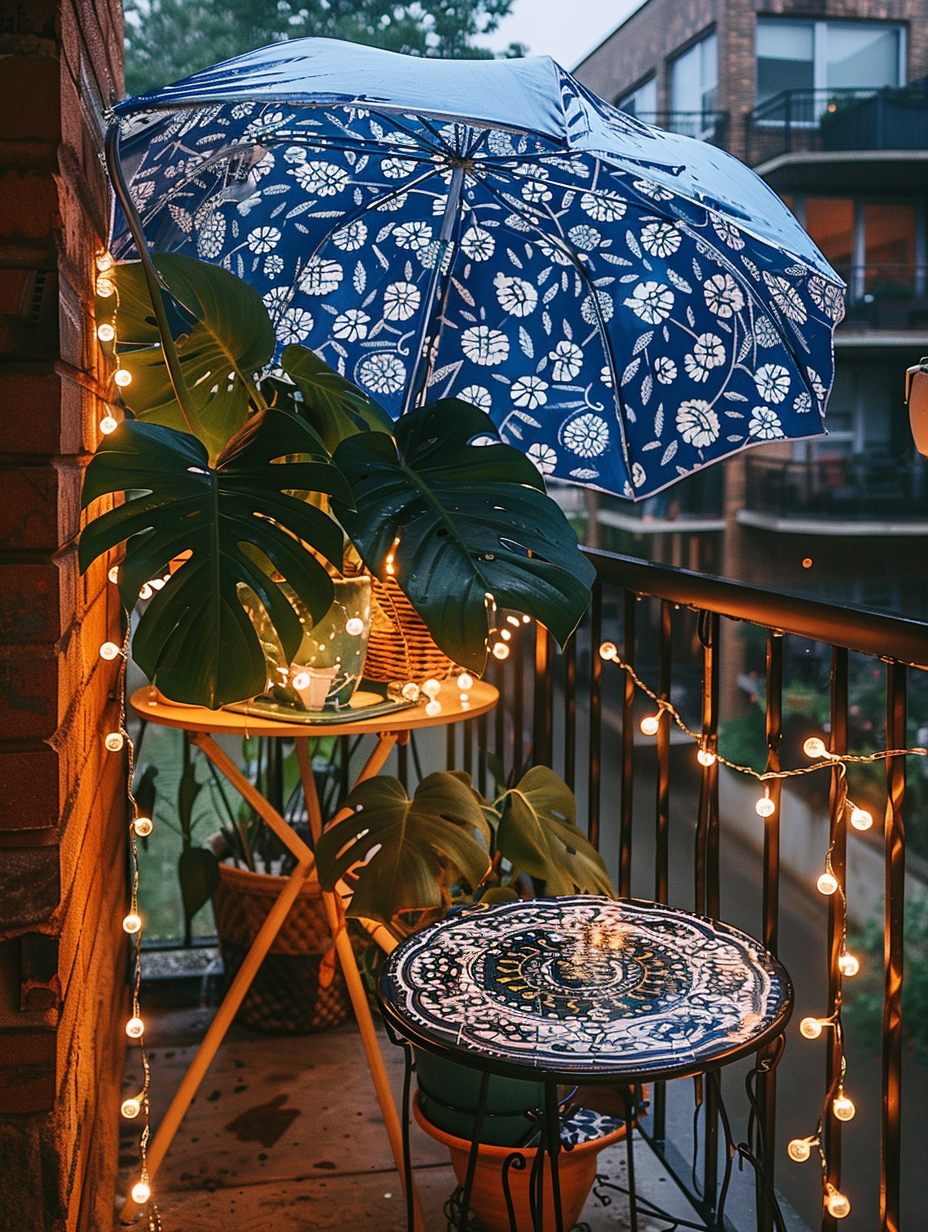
{"points": [[786, 297], [516, 296], [660, 239], [351, 326], [544, 457], [352, 237], [587, 436], [478, 244], [729, 235], [294, 325], [529, 392], [708, 353], [603, 206], [413, 235], [321, 276], [597, 308], [276, 298], [765, 424], [263, 239], [211, 236], [697, 423], [665, 370], [772, 381], [652, 301], [485, 346], [723, 296], [765, 333], [322, 179], [639, 475], [567, 359], [273, 265], [382, 373], [585, 238], [477, 395], [802, 403], [401, 300], [655, 191]]}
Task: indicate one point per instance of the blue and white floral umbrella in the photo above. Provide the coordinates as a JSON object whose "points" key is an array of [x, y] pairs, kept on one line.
{"points": [[629, 305]]}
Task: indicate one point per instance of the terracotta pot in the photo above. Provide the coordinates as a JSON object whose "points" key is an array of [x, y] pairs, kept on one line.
{"points": [[576, 1172]]}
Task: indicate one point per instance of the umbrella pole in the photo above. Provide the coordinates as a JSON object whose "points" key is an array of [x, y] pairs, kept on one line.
{"points": [[420, 367]]}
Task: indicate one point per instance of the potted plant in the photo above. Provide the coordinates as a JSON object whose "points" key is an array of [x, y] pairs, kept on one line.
{"points": [[407, 862], [252, 476]]}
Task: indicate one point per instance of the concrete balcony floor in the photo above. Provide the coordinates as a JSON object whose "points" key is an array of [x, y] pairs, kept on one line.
{"points": [[285, 1135]]}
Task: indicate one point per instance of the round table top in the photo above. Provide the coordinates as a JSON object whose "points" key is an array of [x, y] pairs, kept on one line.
{"points": [[481, 698], [585, 987]]}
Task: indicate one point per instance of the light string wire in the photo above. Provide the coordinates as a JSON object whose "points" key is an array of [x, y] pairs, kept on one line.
{"points": [[139, 1104], [835, 1203]]}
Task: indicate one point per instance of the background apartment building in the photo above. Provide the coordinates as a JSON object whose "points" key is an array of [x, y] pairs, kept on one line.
{"points": [[828, 101]]}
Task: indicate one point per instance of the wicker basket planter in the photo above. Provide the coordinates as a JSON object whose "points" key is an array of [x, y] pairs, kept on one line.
{"points": [[299, 987], [400, 646]]}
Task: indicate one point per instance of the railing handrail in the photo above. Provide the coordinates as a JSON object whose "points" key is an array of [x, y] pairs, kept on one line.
{"points": [[874, 633], [784, 100]]}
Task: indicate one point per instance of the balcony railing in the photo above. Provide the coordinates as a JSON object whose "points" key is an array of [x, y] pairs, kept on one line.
{"points": [[849, 489], [710, 126], [655, 815], [864, 119]]}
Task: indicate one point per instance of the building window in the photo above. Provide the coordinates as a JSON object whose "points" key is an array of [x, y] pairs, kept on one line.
{"points": [[641, 102], [878, 247], [826, 55], [694, 79]]}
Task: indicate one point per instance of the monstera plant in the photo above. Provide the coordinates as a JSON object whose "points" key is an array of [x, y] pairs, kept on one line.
{"points": [[254, 474], [448, 845]]}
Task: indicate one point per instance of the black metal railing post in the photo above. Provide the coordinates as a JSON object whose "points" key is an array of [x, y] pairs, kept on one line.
{"points": [[628, 751], [893, 943]]}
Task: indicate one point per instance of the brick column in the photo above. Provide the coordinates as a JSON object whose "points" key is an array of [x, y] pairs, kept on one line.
{"points": [[62, 796]]}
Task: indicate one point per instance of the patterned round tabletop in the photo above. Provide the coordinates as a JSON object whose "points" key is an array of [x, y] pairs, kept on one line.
{"points": [[586, 986]]}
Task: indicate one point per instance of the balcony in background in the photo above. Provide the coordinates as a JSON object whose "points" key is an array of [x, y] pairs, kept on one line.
{"points": [[856, 495], [851, 140], [709, 126]]}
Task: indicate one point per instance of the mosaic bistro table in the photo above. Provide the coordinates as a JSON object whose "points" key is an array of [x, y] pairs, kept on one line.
{"points": [[584, 989]]}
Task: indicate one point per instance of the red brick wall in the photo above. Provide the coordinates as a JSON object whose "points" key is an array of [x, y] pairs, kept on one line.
{"points": [[62, 796]]}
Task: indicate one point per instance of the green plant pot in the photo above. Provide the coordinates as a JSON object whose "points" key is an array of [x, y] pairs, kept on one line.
{"points": [[327, 667], [449, 1094]]}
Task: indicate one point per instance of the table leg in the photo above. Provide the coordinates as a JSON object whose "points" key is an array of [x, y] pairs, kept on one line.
{"points": [[356, 992], [215, 1034]]}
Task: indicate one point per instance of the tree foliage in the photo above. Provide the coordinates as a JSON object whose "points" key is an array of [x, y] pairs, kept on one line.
{"points": [[167, 40]]}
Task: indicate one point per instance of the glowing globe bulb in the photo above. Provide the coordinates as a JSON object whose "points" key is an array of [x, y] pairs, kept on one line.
{"points": [[106, 332], [142, 826], [861, 819], [105, 288], [141, 1192], [130, 1108], [848, 964], [135, 1028], [810, 1028], [108, 424], [433, 709], [814, 747], [109, 650], [114, 741], [355, 626], [500, 651], [526, 620], [301, 680], [410, 691], [105, 261], [132, 923], [465, 681], [836, 1203], [650, 725], [706, 757], [608, 651], [431, 688], [113, 574], [799, 1149], [505, 634], [843, 1108], [122, 377], [827, 883], [765, 807]]}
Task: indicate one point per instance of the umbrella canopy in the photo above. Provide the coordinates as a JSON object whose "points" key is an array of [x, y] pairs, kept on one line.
{"points": [[629, 305]]}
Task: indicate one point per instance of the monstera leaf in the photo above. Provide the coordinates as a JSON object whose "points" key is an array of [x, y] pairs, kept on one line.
{"points": [[223, 336], [471, 520], [239, 524], [331, 404], [415, 838], [537, 833]]}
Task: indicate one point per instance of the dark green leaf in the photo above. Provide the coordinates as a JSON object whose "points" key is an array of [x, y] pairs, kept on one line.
{"points": [[239, 522], [335, 408], [471, 520], [187, 791], [537, 833], [198, 873], [223, 336], [419, 840], [143, 788]]}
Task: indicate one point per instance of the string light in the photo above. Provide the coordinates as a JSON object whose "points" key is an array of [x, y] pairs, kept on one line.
{"points": [[132, 923], [114, 741], [501, 651], [650, 724], [433, 709], [354, 627], [109, 651], [135, 1028], [142, 826], [765, 807], [131, 1108], [301, 681], [811, 1028], [108, 424], [113, 574], [122, 377], [608, 651], [106, 332], [843, 1107], [836, 1203], [431, 689], [465, 681], [141, 1192], [800, 1149], [410, 691], [146, 592], [105, 261], [706, 757], [848, 965], [827, 883], [814, 747], [505, 634], [105, 288], [861, 819]]}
